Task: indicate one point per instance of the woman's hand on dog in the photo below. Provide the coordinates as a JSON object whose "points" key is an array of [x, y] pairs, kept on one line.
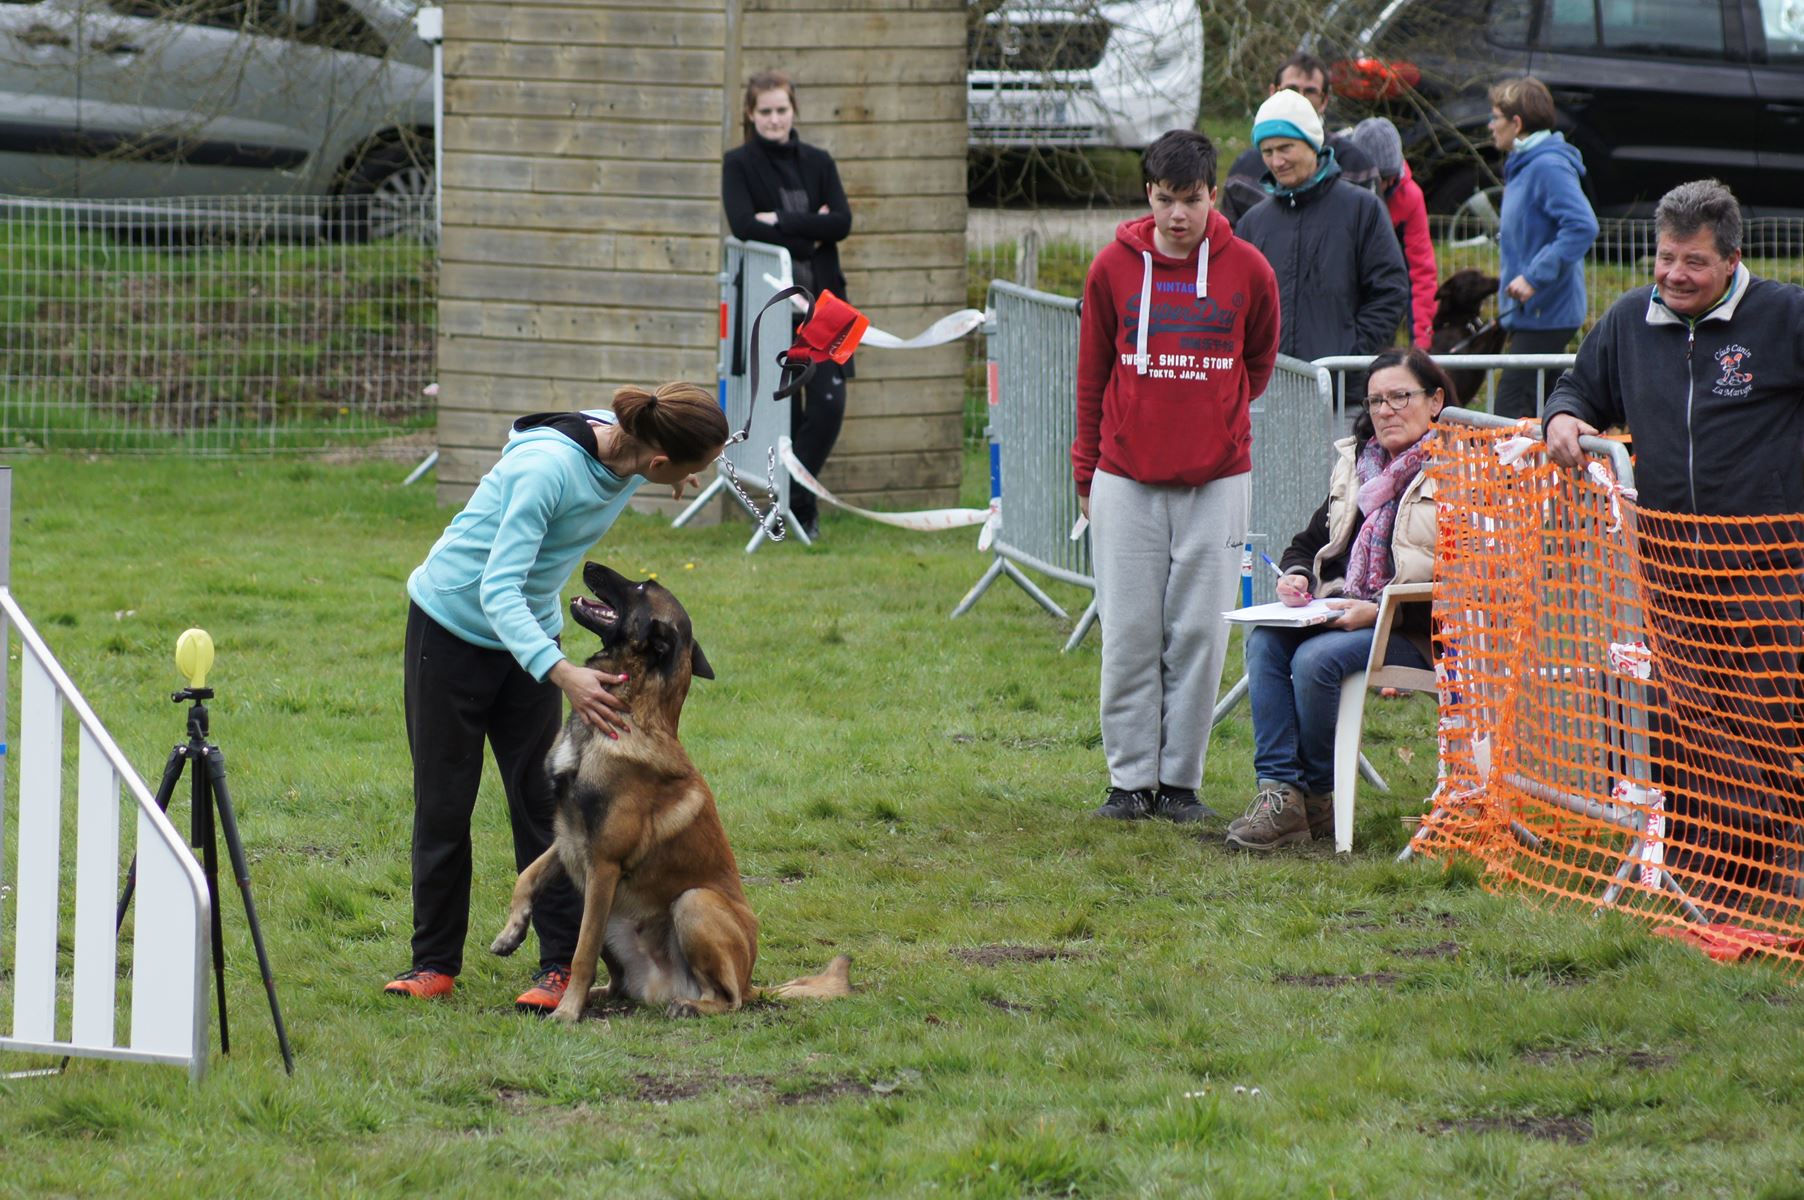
{"points": [[590, 697]]}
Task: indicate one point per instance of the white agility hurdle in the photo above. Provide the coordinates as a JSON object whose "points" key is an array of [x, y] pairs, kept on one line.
{"points": [[70, 1007]]}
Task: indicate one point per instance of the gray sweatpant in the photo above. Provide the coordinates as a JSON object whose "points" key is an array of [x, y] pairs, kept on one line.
{"points": [[1167, 565]]}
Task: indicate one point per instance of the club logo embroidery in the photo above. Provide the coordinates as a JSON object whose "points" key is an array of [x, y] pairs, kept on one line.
{"points": [[1733, 381]]}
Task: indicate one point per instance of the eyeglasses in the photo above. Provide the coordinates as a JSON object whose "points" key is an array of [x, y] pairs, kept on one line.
{"points": [[1393, 401], [1310, 90]]}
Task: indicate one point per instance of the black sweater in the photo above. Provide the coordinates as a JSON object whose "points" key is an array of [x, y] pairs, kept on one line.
{"points": [[750, 183]]}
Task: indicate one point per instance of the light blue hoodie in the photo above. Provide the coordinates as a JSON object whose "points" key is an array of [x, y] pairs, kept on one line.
{"points": [[496, 576]]}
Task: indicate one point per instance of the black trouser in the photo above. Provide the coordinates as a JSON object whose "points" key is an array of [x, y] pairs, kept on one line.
{"points": [[458, 694], [1516, 390], [1726, 625], [814, 427]]}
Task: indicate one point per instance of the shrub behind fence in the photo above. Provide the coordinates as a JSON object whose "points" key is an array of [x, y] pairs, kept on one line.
{"points": [[224, 325]]}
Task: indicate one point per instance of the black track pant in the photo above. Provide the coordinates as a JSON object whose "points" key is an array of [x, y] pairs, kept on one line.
{"points": [[814, 428], [457, 695], [1516, 389]]}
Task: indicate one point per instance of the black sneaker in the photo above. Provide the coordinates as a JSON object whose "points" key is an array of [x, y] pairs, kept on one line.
{"points": [[1181, 805], [1123, 805]]}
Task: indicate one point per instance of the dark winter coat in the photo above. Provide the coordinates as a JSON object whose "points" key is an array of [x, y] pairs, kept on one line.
{"points": [[1342, 285]]}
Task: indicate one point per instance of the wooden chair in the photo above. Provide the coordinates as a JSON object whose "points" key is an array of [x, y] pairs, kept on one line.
{"points": [[1350, 723]]}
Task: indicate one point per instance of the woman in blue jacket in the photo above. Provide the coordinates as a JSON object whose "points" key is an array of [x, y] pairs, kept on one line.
{"points": [[483, 661], [1546, 227]]}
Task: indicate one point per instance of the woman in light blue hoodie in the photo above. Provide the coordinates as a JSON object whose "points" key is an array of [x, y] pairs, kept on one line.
{"points": [[1544, 231], [483, 662]]}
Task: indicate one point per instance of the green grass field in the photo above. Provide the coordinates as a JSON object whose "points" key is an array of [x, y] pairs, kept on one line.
{"points": [[1044, 1005]]}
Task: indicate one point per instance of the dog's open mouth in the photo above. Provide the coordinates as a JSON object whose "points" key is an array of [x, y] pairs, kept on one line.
{"points": [[595, 610]]}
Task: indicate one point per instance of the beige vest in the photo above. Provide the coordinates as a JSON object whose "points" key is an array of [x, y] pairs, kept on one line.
{"points": [[1412, 538]]}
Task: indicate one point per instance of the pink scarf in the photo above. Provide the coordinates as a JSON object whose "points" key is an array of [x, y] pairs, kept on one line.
{"points": [[1382, 481]]}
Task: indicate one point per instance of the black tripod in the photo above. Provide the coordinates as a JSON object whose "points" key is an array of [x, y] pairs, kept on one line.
{"points": [[209, 794]]}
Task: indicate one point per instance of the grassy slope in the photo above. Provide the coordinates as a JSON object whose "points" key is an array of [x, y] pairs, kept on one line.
{"points": [[897, 786]]}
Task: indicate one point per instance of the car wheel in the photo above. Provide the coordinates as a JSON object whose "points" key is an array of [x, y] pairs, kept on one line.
{"points": [[387, 193]]}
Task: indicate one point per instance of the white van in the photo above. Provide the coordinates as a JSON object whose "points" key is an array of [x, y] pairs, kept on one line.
{"points": [[1070, 73]]}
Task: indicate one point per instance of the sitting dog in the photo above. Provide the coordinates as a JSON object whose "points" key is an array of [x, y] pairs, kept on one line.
{"points": [[638, 833], [1459, 327]]}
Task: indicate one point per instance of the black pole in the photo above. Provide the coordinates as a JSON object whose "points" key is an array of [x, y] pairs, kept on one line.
{"points": [[206, 838]]}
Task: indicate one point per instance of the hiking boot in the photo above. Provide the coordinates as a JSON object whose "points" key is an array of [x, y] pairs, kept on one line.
{"points": [[421, 984], [1319, 808], [1180, 805], [1123, 805], [1277, 818], [546, 992]]}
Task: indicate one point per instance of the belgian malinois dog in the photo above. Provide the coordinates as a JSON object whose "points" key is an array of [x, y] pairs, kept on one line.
{"points": [[638, 833]]}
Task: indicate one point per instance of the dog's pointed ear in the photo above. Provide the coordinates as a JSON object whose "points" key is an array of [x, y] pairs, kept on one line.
{"points": [[698, 662]]}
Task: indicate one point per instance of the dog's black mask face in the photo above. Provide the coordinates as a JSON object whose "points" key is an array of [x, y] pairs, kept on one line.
{"points": [[639, 618]]}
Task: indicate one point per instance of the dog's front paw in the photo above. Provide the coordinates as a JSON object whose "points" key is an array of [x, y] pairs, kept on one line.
{"points": [[569, 1011], [509, 939], [678, 1009]]}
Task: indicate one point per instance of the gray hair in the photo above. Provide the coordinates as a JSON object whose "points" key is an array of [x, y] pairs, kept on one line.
{"points": [[1691, 206]]}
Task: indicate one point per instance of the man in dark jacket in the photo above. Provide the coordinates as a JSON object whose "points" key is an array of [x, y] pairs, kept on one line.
{"points": [[1706, 368], [1307, 76], [1342, 285]]}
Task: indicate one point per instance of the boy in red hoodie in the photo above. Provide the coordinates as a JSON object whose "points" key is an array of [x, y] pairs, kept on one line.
{"points": [[1179, 333]]}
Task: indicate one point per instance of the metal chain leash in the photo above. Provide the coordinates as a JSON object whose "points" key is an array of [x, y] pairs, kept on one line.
{"points": [[777, 529]]}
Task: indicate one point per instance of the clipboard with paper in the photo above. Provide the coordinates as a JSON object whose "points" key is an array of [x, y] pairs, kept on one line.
{"points": [[1316, 612]]}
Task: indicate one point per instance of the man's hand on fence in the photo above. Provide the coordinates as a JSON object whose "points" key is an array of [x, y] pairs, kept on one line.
{"points": [[1562, 432]]}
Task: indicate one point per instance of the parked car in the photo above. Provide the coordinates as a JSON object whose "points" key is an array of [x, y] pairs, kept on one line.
{"points": [[1076, 73], [156, 98], [1653, 92]]}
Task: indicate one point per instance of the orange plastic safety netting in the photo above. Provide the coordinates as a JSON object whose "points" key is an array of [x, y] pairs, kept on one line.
{"points": [[1622, 696]]}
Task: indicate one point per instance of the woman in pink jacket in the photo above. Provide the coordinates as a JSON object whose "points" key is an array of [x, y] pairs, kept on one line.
{"points": [[1409, 216]]}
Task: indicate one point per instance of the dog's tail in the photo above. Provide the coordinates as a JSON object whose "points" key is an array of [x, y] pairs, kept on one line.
{"points": [[830, 984]]}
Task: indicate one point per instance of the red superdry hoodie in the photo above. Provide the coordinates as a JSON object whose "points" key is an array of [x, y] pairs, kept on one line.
{"points": [[1167, 400]]}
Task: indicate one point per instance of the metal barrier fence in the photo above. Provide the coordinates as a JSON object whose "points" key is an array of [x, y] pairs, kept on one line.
{"points": [[1339, 367], [221, 325], [1032, 370], [752, 272], [65, 1002]]}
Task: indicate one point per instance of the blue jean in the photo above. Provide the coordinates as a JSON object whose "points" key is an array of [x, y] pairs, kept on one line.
{"points": [[1293, 680]]}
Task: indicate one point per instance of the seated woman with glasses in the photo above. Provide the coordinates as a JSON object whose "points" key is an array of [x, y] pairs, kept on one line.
{"points": [[1376, 527]]}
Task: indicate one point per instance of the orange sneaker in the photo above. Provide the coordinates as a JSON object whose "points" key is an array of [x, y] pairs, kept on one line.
{"points": [[546, 992], [423, 985]]}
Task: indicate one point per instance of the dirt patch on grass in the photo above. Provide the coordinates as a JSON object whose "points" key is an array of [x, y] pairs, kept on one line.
{"points": [[1557, 1056], [1434, 920], [1373, 979], [1358, 920], [990, 956], [830, 1089], [666, 1089], [1574, 1131], [1008, 1006], [1438, 950]]}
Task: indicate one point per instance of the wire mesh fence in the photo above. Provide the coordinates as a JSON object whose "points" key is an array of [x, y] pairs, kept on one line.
{"points": [[216, 325], [1052, 250]]}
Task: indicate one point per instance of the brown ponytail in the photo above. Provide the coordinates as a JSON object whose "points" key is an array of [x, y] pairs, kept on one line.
{"points": [[682, 420]]}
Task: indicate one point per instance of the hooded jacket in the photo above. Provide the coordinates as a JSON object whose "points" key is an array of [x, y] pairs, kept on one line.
{"points": [[1409, 217], [1544, 230], [495, 577], [1715, 404], [1167, 400], [1341, 280]]}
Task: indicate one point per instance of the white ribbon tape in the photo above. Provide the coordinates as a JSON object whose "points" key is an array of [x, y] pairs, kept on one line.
{"points": [[948, 328], [1633, 659], [1651, 804], [927, 519], [1600, 475]]}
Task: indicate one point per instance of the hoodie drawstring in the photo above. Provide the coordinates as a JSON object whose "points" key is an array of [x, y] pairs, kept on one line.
{"points": [[1202, 269], [1146, 312]]}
